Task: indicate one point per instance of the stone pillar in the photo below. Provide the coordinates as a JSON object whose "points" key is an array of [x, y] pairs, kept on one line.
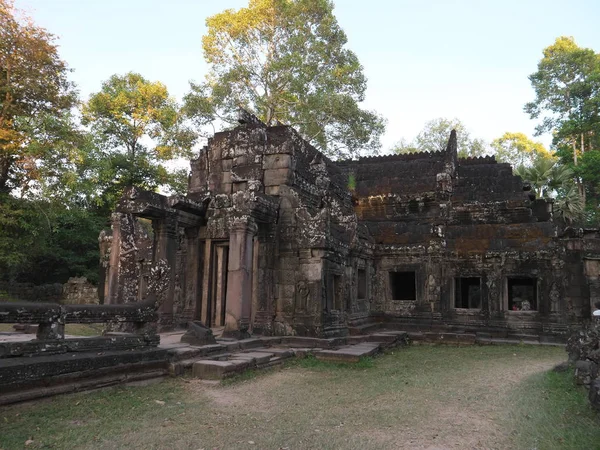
{"points": [[205, 310], [239, 279], [165, 235], [192, 277], [112, 277]]}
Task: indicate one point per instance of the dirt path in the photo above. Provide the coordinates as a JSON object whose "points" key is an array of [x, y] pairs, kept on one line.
{"points": [[420, 398]]}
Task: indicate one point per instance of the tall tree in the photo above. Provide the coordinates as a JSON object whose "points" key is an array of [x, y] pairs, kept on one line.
{"points": [[138, 128], [434, 138], [35, 99], [518, 150], [567, 89], [286, 61]]}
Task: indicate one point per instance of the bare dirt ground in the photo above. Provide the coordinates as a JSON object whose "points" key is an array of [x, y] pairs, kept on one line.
{"points": [[440, 405]]}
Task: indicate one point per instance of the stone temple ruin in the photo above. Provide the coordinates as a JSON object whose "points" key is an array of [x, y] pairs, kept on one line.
{"points": [[275, 239], [310, 256]]}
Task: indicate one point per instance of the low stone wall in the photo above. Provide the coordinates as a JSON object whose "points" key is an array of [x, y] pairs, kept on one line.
{"points": [[584, 352], [30, 292], [79, 291]]}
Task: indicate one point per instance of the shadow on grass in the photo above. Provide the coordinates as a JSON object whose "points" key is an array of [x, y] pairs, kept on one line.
{"points": [[551, 411]]}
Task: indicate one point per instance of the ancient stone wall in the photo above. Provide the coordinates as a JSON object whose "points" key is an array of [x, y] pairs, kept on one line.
{"points": [[79, 291], [275, 238]]}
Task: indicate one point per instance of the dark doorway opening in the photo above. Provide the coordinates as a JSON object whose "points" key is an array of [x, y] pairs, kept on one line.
{"points": [[522, 294], [403, 285], [361, 291], [218, 284], [467, 293]]}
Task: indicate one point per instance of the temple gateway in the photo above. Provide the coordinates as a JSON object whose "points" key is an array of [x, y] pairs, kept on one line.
{"points": [[274, 238]]}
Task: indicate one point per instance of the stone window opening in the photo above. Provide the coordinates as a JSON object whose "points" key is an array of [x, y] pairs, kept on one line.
{"points": [[361, 291], [467, 293], [413, 206], [403, 285], [522, 294]]}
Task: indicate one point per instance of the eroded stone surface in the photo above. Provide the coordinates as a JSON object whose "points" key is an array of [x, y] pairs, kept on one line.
{"points": [[274, 238]]}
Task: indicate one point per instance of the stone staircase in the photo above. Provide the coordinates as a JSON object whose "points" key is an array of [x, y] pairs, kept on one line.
{"points": [[229, 357]]}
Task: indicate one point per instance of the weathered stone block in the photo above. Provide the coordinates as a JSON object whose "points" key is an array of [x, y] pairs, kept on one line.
{"points": [[226, 164], [240, 186], [274, 177], [282, 161], [247, 172], [212, 370], [585, 372], [272, 190]]}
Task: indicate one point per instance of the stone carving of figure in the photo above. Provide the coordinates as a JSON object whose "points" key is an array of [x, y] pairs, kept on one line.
{"points": [[302, 294]]}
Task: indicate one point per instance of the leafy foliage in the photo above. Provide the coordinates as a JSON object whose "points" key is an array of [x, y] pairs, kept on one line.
{"points": [[137, 128], [43, 242], [550, 179], [35, 100], [567, 87], [286, 61], [434, 138], [518, 150]]}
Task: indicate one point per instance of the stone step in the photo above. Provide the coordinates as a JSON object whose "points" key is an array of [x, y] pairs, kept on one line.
{"points": [[364, 329], [184, 351], [26, 373], [349, 353], [236, 363]]}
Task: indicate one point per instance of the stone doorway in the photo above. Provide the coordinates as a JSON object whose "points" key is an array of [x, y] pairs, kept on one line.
{"points": [[219, 267]]}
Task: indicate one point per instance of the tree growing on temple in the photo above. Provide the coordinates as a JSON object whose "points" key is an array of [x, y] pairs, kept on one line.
{"points": [[138, 128], [35, 102], [287, 62]]}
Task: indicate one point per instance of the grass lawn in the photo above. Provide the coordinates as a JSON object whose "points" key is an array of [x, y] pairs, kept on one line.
{"points": [[420, 397]]}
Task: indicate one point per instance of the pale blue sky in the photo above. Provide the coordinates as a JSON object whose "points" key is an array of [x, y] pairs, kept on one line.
{"points": [[424, 59]]}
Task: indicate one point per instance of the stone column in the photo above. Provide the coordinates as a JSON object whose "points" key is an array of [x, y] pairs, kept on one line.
{"points": [[206, 268], [112, 277], [192, 277], [239, 279], [165, 231]]}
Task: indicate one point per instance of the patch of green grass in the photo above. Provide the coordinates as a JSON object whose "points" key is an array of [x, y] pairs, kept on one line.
{"points": [[247, 375], [413, 397], [312, 363], [5, 297], [87, 419], [553, 412]]}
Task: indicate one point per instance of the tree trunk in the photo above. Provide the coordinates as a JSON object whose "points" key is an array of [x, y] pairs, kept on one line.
{"points": [[4, 169], [579, 183]]}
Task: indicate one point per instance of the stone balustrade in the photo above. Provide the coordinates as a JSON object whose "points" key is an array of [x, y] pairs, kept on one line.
{"points": [[52, 317]]}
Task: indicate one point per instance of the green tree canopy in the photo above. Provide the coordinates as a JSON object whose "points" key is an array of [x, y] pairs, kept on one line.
{"points": [[434, 138], [286, 61], [137, 128], [567, 94], [35, 101], [518, 150]]}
